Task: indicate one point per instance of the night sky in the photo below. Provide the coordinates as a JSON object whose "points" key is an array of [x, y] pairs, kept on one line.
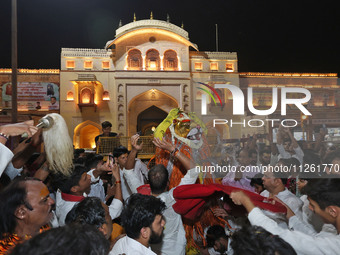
{"points": [[269, 36]]}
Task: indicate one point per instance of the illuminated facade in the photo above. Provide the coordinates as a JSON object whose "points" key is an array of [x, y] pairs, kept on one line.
{"points": [[151, 66]]}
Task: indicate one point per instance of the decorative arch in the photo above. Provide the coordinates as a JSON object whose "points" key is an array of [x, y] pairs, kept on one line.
{"points": [[152, 60], [70, 96], [84, 134], [120, 108], [134, 60], [142, 102], [120, 88], [86, 96], [150, 117], [185, 89], [170, 60]]}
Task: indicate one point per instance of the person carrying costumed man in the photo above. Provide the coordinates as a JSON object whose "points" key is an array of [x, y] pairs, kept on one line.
{"points": [[187, 133]]}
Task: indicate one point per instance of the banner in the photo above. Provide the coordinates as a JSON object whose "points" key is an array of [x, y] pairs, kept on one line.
{"points": [[37, 96]]}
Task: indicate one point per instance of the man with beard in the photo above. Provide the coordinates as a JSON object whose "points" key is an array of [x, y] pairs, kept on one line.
{"points": [[217, 241], [174, 240], [143, 222]]}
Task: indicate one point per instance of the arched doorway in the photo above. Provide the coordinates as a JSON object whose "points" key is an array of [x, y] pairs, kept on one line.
{"points": [[152, 105], [149, 119], [85, 133]]}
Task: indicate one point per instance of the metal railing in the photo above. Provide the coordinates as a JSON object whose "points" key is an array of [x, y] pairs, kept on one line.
{"points": [[106, 145]]}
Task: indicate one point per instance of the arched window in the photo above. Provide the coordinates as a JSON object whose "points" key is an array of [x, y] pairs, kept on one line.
{"points": [[86, 96], [120, 88], [134, 60], [106, 96], [170, 61], [152, 60], [70, 96], [185, 89]]}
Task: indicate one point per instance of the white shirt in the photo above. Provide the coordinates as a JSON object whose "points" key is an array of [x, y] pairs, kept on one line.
{"points": [[174, 240], [292, 201], [97, 188], [6, 156], [11, 171], [302, 243], [140, 170], [297, 224], [129, 246], [285, 154], [116, 206], [248, 172], [64, 207], [309, 216]]}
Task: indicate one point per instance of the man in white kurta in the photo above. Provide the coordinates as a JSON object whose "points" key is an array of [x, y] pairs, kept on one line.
{"points": [[130, 247], [6, 156], [174, 240], [302, 243], [275, 187], [65, 202]]}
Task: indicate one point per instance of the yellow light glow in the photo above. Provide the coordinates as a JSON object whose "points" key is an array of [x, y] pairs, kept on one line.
{"points": [[50, 71], [214, 66], [85, 98], [152, 65], [106, 65], [106, 96], [303, 117], [179, 64], [70, 64], [144, 31], [126, 63], [198, 66], [88, 64], [229, 67], [70, 96], [144, 62], [162, 66], [293, 86], [291, 74]]}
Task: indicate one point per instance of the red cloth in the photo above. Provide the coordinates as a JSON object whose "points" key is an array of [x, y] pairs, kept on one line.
{"points": [[71, 198], [191, 198], [144, 189]]}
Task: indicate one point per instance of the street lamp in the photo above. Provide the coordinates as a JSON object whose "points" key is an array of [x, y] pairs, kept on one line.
{"points": [[303, 119]]}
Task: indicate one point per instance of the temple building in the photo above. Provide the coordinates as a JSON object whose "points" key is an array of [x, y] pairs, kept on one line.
{"points": [[151, 66]]}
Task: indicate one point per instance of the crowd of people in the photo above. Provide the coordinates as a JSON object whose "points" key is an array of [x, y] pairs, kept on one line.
{"points": [[116, 205]]}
